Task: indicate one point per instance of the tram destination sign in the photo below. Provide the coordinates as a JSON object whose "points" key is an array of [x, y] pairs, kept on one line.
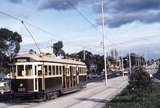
{"points": [[22, 60]]}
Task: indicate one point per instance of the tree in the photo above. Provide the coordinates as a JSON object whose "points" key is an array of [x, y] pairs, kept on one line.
{"points": [[99, 61], [57, 49], [88, 58], [9, 47], [139, 82], [135, 60]]}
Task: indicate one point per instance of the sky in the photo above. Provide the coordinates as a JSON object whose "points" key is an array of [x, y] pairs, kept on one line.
{"points": [[130, 25]]}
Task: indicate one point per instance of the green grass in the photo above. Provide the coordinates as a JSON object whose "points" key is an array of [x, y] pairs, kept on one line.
{"points": [[151, 100]]}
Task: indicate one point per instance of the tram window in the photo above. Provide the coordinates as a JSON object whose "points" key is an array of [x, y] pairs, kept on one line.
{"points": [[49, 70], [57, 70], [70, 69], [20, 70], [63, 69], [36, 84], [35, 70], [74, 70], [79, 70], [53, 68], [28, 70], [82, 70], [60, 70], [45, 69], [39, 70]]}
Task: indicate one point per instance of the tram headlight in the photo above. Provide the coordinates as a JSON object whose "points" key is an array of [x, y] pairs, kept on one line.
{"points": [[21, 85]]}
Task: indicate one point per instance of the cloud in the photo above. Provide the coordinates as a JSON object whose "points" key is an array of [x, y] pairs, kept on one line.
{"points": [[59, 4], [118, 13], [16, 1], [24, 1], [52, 4]]}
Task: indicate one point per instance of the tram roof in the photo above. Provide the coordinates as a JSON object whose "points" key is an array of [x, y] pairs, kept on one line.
{"points": [[47, 58]]}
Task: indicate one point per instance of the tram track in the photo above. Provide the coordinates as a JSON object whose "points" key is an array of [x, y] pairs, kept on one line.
{"points": [[72, 100], [102, 91]]}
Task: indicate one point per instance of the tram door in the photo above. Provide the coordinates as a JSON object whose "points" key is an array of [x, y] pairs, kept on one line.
{"points": [[77, 76], [65, 77], [71, 77]]}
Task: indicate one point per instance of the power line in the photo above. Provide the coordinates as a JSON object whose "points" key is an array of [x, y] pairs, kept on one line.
{"points": [[13, 17], [42, 30], [82, 15], [132, 41], [18, 19]]}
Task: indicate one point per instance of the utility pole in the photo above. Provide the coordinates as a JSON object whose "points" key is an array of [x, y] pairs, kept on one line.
{"points": [[103, 34], [122, 65], [84, 55], [130, 63], [138, 61]]}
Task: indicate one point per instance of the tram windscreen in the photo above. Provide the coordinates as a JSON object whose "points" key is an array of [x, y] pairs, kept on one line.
{"points": [[20, 70], [29, 70]]}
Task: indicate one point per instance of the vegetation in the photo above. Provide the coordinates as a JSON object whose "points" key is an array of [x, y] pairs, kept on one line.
{"points": [[57, 49], [139, 82], [151, 100], [140, 93], [90, 59], [9, 47], [135, 59]]}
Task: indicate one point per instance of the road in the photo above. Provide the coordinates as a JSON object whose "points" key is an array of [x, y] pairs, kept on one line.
{"points": [[152, 69], [95, 95]]}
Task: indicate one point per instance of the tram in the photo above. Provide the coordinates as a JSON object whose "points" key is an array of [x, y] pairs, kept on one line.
{"points": [[44, 75]]}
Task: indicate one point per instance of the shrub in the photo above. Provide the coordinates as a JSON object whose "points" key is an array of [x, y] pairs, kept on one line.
{"points": [[139, 82]]}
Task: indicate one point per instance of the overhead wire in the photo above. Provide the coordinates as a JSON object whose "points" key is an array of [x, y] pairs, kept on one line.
{"points": [[85, 18], [22, 22], [82, 15], [132, 41], [28, 23]]}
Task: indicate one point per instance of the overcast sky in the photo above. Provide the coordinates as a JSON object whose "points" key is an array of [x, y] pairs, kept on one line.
{"points": [[78, 24]]}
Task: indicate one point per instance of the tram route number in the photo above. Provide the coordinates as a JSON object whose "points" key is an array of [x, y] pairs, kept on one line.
{"points": [[21, 89]]}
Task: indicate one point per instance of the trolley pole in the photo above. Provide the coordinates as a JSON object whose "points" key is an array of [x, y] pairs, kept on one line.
{"points": [[103, 35]]}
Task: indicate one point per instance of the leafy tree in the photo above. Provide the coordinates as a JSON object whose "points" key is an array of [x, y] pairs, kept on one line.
{"points": [[134, 60], [99, 61], [31, 51], [9, 47], [90, 59], [57, 49], [139, 82]]}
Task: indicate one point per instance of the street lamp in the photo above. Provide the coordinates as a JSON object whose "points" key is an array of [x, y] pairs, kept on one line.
{"points": [[103, 35]]}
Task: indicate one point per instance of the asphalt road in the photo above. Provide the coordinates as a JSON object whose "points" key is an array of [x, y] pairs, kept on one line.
{"points": [[95, 95], [152, 69]]}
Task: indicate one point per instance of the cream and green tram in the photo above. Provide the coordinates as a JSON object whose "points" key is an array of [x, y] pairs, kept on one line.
{"points": [[46, 75]]}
